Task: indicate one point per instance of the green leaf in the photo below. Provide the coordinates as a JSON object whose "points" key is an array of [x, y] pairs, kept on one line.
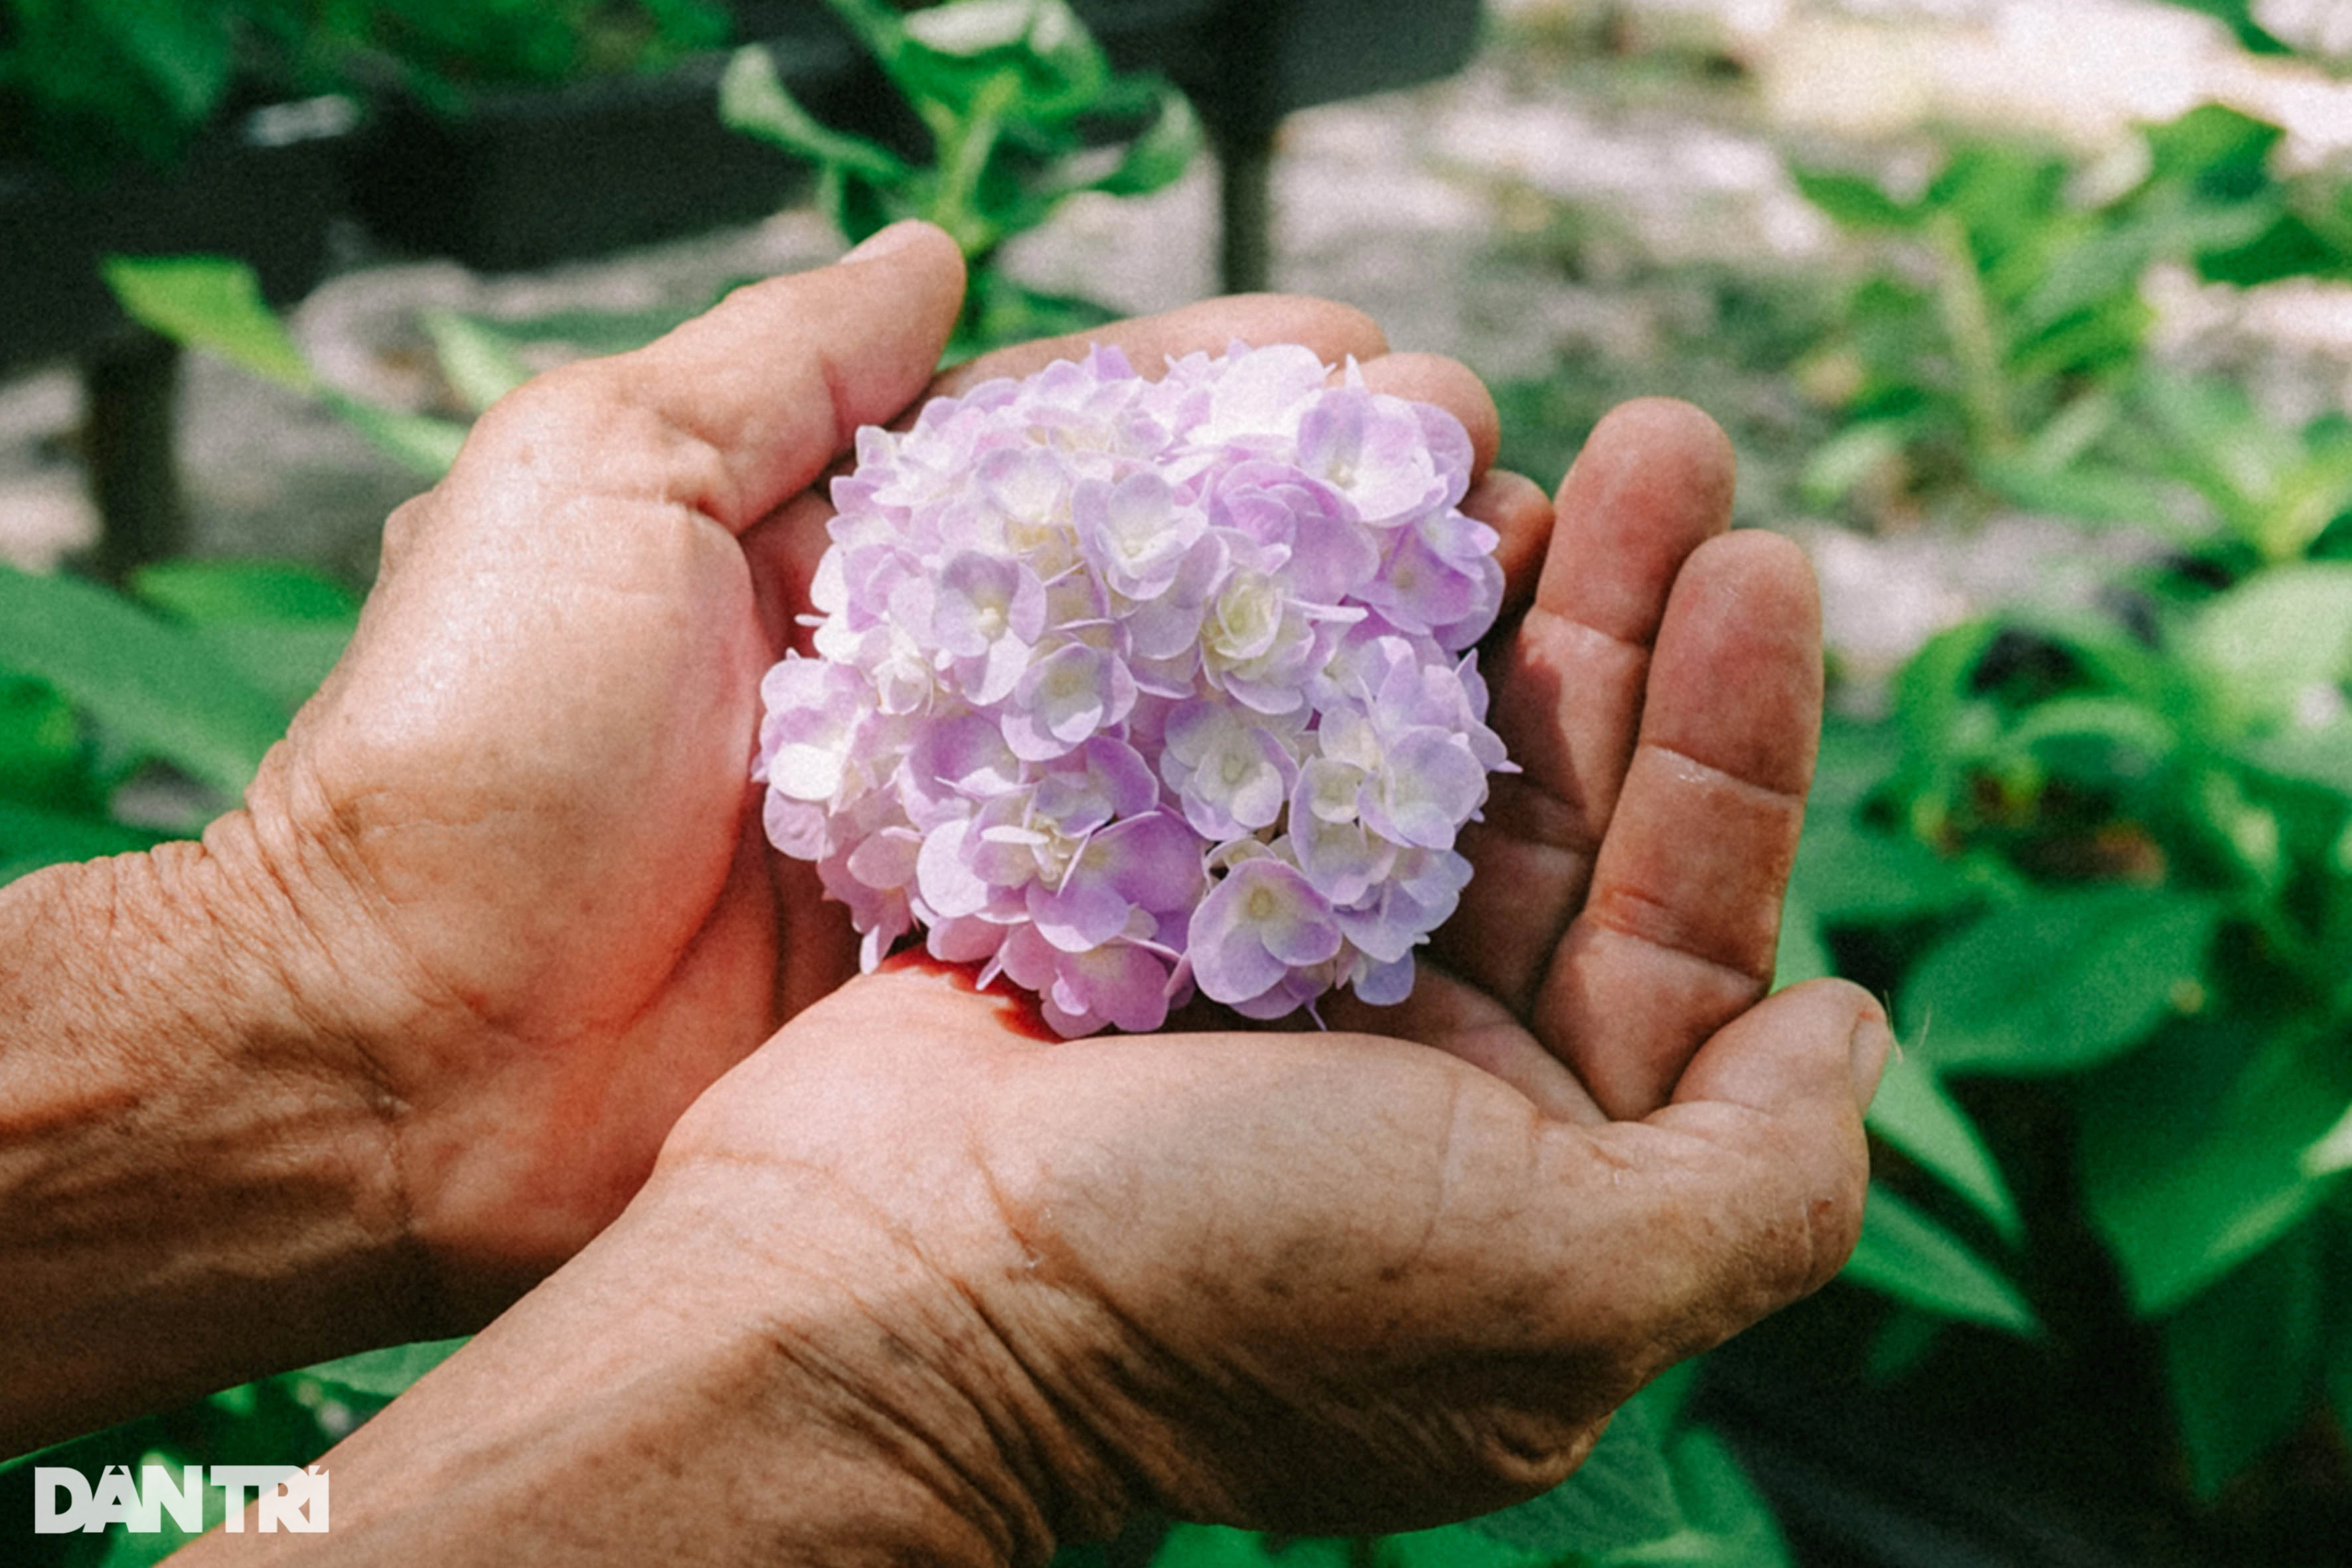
{"points": [[427, 445], [1909, 1256], [389, 1371], [2090, 492], [753, 99], [1848, 875], [478, 362], [2267, 641], [1914, 1114], [2319, 755], [282, 627], [2058, 983], [2332, 1151], [1852, 200], [2243, 1359], [1731, 1525], [1158, 156], [289, 659], [1621, 1497], [1216, 1546], [1800, 956], [213, 303], [157, 685], [31, 839], [597, 332], [185, 50], [244, 590], [974, 26], [2193, 1154], [1854, 454], [45, 759], [2098, 738]]}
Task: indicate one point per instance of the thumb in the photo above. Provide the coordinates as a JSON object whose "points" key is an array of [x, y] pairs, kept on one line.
{"points": [[776, 378], [741, 407], [1760, 1163], [1813, 1050]]}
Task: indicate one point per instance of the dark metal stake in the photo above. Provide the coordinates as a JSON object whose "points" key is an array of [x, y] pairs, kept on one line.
{"points": [[131, 382], [1245, 204]]}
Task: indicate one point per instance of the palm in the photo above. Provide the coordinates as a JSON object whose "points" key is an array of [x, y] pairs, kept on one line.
{"points": [[1270, 1230], [1662, 695]]}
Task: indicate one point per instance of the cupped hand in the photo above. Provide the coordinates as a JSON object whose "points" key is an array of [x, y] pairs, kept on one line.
{"points": [[510, 859], [1400, 1271]]}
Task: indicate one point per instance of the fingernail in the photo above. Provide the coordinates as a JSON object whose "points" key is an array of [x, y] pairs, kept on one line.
{"points": [[897, 236], [1871, 1044]]}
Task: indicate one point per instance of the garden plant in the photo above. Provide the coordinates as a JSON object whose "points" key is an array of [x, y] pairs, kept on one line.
{"points": [[2098, 856]]}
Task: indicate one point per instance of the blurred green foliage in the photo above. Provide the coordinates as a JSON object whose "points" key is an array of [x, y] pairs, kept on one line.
{"points": [[2104, 854], [2106, 850], [1023, 111], [86, 85], [2001, 337]]}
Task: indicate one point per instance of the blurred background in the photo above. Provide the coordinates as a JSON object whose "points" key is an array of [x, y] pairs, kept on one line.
{"points": [[2031, 320]]}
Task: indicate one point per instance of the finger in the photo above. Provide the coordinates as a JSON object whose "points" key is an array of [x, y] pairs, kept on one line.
{"points": [[748, 403], [783, 548], [1752, 1179], [1652, 482], [1466, 1023], [1449, 384], [1517, 508], [1678, 930], [1334, 331]]}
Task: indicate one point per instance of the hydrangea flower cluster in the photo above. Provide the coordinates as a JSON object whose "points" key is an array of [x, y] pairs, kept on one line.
{"points": [[1127, 687]]}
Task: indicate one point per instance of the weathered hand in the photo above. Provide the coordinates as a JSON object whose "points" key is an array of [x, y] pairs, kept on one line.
{"points": [[916, 1281], [512, 862], [1350, 1280], [1663, 694], [516, 885]]}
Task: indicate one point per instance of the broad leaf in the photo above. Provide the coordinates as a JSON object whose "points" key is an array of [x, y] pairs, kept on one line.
{"points": [[1216, 1546], [388, 1372], [1731, 1525], [1848, 875], [1158, 156], [206, 590], [2057, 983], [1914, 1114], [31, 839], [753, 99], [1852, 200], [2272, 638], [1912, 1258], [2321, 754], [2332, 1152], [2243, 1359], [283, 628], [213, 303], [288, 659], [1800, 956], [1621, 1496], [157, 686], [2193, 1156]]}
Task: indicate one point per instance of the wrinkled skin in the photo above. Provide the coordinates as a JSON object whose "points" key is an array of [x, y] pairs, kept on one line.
{"points": [[1365, 1278]]}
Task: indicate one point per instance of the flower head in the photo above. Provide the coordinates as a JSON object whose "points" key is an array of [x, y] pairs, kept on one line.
{"points": [[1126, 686]]}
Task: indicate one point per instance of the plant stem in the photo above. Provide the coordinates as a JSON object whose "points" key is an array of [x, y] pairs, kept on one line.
{"points": [[963, 158], [1967, 318]]}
